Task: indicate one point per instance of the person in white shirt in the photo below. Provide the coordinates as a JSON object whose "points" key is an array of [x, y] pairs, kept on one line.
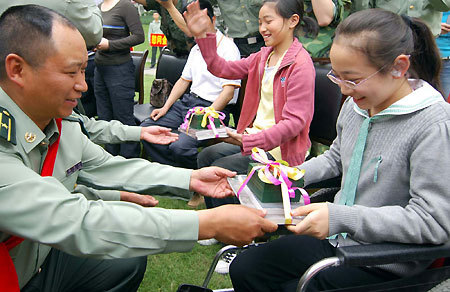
{"points": [[206, 90]]}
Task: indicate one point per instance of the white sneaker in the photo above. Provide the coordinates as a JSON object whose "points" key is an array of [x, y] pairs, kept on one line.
{"points": [[211, 241], [223, 265]]}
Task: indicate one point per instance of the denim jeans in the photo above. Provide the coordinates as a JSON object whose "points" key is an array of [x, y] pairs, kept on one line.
{"points": [[114, 93]]}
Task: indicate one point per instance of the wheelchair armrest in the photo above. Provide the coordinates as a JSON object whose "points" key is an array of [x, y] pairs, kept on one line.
{"points": [[386, 253]]}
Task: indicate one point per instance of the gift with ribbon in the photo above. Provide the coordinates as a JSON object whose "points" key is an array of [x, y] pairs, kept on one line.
{"points": [[275, 182], [203, 118]]}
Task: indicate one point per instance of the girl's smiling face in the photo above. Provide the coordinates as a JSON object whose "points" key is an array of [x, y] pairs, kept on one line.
{"points": [[377, 92], [273, 27]]}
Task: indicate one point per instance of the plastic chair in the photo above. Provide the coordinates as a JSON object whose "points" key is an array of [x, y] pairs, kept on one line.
{"points": [[169, 67], [139, 59]]}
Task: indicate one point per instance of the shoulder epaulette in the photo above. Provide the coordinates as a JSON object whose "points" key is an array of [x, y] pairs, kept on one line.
{"points": [[7, 126], [74, 118]]}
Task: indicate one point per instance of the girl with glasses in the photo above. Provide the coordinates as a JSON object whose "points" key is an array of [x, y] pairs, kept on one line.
{"points": [[391, 150]]}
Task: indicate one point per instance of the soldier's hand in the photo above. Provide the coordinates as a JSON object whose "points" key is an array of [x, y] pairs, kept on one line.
{"points": [[233, 224], [211, 182], [197, 20], [143, 200], [158, 135]]}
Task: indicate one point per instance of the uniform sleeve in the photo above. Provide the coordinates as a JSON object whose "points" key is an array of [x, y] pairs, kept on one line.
{"points": [[102, 132], [87, 18], [440, 5], [133, 22], [93, 194], [425, 218], [42, 210]]}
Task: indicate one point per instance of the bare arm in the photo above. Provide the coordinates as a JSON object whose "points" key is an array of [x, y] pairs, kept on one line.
{"points": [[224, 97], [324, 11]]}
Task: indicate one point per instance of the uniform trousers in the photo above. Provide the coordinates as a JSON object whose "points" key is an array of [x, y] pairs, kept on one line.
{"points": [[228, 156], [114, 93], [63, 272], [278, 265], [184, 151]]}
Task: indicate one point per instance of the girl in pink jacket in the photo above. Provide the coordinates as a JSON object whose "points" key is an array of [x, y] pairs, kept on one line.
{"points": [[279, 97]]}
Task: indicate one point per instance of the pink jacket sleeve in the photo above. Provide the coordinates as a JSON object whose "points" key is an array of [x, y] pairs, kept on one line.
{"points": [[217, 65]]}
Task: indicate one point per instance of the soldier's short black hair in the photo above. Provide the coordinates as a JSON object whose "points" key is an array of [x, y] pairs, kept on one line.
{"points": [[26, 30], [203, 4]]}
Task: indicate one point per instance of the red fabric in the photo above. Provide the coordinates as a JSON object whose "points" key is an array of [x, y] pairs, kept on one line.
{"points": [[437, 263], [8, 276]]}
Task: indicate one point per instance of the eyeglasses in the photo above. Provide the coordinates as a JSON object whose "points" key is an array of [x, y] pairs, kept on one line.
{"points": [[347, 83]]}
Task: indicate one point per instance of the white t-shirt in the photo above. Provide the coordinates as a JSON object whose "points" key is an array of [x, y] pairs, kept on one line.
{"points": [[204, 84]]}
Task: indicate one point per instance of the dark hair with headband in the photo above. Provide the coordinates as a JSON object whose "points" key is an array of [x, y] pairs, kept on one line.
{"points": [[26, 31], [383, 36], [287, 8]]}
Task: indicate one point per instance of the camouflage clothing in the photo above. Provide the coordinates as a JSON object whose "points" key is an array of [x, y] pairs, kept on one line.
{"points": [[177, 41], [429, 11], [319, 47]]}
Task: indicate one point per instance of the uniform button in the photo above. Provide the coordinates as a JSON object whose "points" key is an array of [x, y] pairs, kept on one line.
{"points": [[411, 7], [243, 6], [247, 21], [40, 270], [30, 137]]}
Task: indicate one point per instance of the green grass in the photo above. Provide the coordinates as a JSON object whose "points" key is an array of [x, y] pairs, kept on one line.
{"points": [[165, 272]]}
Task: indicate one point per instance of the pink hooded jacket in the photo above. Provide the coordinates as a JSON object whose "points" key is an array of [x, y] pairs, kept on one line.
{"points": [[293, 97]]}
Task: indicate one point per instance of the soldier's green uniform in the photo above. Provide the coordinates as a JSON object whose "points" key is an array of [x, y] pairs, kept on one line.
{"points": [[319, 47], [240, 17], [84, 14], [45, 212], [429, 11], [177, 41], [102, 132]]}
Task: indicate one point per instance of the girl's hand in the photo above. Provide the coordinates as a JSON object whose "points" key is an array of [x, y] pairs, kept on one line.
{"points": [[197, 20], [315, 222], [233, 138], [103, 45]]}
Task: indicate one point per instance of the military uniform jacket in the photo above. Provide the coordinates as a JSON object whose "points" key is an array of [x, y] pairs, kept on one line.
{"points": [[45, 212]]}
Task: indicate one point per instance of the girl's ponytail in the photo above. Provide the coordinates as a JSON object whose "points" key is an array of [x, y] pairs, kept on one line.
{"points": [[425, 60], [287, 8]]}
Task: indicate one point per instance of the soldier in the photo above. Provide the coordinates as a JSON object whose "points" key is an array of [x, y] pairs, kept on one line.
{"points": [[428, 11], [177, 41], [41, 79], [328, 15]]}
